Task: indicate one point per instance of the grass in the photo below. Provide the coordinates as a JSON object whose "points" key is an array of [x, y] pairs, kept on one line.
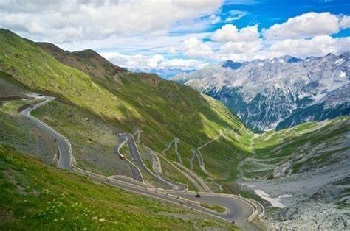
{"points": [[216, 208], [92, 138], [162, 109], [37, 197], [174, 175], [24, 135], [286, 145]]}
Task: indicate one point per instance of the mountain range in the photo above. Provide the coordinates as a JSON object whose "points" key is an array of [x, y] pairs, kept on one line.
{"points": [[280, 92], [185, 142]]}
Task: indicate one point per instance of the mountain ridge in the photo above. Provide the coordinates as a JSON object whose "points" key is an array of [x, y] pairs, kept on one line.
{"points": [[263, 93], [128, 102], [88, 61], [178, 124]]}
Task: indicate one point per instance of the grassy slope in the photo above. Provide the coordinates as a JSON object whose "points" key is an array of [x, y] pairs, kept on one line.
{"points": [[9, 91], [37, 197], [22, 134], [87, 61], [162, 109], [276, 147]]}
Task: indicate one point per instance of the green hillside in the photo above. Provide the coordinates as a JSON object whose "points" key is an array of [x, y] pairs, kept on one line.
{"points": [[161, 109], [308, 146], [37, 197]]}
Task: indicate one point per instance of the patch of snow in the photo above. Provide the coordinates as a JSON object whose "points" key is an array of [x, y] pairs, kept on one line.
{"points": [[318, 97], [342, 74], [285, 196], [339, 61], [275, 202]]}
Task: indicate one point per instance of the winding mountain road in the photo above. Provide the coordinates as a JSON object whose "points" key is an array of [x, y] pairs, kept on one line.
{"points": [[135, 154], [239, 209], [136, 173], [64, 146]]}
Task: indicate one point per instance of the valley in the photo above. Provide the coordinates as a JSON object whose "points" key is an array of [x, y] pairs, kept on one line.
{"points": [[139, 137]]}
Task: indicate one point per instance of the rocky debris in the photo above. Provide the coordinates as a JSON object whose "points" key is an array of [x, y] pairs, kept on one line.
{"points": [[310, 216], [282, 170]]}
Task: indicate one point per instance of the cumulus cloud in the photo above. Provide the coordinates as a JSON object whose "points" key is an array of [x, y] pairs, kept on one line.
{"points": [[317, 46], [170, 33], [194, 47], [185, 64], [230, 33], [156, 61], [240, 47], [95, 19], [345, 22], [306, 26]]}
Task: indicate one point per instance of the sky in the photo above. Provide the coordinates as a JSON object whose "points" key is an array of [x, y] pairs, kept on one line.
{"points": [[171, 36]]}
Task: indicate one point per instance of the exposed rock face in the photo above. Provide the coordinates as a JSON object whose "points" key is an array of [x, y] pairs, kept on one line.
{"points": [[311, 216], [306, 176], [281, 92]]}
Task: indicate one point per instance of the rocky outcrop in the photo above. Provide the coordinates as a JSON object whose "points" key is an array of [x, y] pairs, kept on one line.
{"points": [[280, 92]]}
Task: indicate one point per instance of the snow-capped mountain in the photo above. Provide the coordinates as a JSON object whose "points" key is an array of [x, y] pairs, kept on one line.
{"points": [[279, 92]]}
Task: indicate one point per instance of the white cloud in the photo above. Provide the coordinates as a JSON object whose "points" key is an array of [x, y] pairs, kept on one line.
{"points": [[345, 22], [304, 26], [235, 15], [96, 19], [134, 61], [185, 64], [169, 33], [240, 47], [230, 33], [194, 47], [156, 61], [317, 46], [214, 19]]}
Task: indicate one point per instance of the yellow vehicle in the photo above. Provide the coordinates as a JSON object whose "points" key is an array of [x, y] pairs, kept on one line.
{"points": [[122, 157]]}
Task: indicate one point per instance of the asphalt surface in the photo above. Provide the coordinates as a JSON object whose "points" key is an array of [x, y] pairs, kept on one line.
{"points": [[238, 209], [64, 157], [136, 174], [137, 159]]}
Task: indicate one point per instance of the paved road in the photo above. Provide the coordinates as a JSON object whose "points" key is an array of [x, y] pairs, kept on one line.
{"points": [[136, 174], [134, 152], [64, 147], [239, 210]]}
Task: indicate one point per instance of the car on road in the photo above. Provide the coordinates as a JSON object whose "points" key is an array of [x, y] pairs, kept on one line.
{"points": [[122, 157]]}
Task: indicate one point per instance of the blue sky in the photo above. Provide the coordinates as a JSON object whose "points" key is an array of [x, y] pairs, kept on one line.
{"points": [[184, 35]]}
